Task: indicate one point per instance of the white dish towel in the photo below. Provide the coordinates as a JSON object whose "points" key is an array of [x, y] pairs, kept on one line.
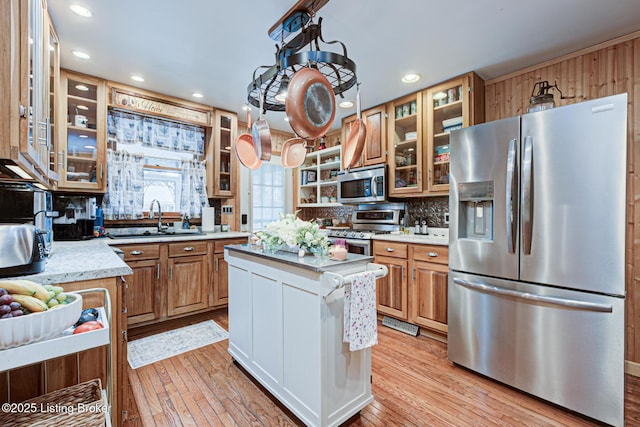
{"points": [[360, 322]]}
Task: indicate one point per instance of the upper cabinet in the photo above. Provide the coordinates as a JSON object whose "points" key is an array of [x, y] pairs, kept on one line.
{"points": [[375, 147], [451, 105], [225, 162], [405, 144], [82, 132], [29, 70]]}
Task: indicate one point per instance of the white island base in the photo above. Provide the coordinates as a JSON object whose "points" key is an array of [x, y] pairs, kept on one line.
{"points": [[288, 336]]}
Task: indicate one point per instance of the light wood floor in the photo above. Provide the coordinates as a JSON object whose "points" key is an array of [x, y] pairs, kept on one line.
{"points": [[413, 385]]}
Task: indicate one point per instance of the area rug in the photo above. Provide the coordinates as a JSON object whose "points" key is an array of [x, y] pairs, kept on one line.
{"points": [[145, 351]]}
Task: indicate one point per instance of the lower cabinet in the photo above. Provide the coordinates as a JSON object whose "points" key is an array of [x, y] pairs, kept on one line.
{"points": [[416, 288], [175, 279]]}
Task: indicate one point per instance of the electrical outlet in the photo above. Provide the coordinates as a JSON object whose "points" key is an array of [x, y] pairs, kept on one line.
{"points": [[446, 217], [227, 210]]}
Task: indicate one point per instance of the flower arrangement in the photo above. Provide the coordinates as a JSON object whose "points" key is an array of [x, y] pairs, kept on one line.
{"points": [[294, 233]]}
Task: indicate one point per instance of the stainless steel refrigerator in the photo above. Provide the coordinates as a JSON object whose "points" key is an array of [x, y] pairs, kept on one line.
{"points": [[537, 253]]}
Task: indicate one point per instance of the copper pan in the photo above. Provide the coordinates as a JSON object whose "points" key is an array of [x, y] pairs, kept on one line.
{"points": [[244, 148], [294, 151], [261, 135], [310, 104], [357, 134]]}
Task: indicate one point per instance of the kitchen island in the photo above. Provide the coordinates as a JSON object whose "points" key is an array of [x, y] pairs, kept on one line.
{"points": [[285, 329]]}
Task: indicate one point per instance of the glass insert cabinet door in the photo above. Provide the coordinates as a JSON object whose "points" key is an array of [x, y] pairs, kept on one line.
{"points": [[405, 143]]}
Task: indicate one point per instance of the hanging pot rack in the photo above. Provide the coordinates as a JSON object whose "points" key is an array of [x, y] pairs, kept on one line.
{"points": [[339, 70]]}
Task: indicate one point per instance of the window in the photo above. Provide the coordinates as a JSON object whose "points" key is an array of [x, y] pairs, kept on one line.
{"points": [[268, 193]]}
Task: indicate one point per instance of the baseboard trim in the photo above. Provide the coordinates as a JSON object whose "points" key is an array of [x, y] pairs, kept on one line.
{"points": [[632, 368]]}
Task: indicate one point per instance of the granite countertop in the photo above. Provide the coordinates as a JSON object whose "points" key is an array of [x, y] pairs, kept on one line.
{"points": [[436, 236], [77, 261], [309, 262], [162, 238]]}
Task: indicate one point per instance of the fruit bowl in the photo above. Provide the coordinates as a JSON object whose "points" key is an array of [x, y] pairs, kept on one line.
{"points": [[35, 327]]}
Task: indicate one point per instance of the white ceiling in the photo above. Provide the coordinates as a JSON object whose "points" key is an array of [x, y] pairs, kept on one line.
{"points": [[181, 47]]}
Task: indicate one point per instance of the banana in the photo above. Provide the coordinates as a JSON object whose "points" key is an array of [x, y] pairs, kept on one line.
{"points": [[39, 291], [16, 287], [32, 304]]}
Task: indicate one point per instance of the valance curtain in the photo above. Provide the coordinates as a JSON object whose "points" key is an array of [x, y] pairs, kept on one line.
{"points": [[132, 128], [125, 186]]}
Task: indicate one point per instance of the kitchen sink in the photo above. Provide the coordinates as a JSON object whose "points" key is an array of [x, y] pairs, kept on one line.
{"points": [[142, 232]]}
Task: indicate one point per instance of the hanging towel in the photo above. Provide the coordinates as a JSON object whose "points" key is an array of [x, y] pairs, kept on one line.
{"points": [[360, 322]]}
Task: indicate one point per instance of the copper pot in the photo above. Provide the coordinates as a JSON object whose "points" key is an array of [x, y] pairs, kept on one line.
{"points": [[357, 134], [244, 148], [261, 135], [310, 104]]}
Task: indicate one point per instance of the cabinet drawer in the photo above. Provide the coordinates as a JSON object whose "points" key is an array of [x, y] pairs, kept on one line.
{"points": [[221, 243], [188, 248], [136, 252], [391, 249], [439, 254]]}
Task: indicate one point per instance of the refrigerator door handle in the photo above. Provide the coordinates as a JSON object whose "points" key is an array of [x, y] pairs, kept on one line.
{"points": [[510, 195], [527, 202], [582, 305]]}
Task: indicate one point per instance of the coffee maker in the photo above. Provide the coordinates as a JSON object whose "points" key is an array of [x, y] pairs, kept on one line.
{"points": [[22, 203], [77, 215]]}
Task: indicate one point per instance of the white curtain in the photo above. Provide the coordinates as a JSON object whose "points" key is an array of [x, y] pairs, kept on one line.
{"points": [[125, 186], [194, 189]]}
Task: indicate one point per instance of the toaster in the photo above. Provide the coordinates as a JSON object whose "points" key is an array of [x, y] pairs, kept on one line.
{"points": [[22, 250]]}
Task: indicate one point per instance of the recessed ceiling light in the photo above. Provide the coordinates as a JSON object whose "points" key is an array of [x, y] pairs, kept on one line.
{"points": [[137, 78], [197, 95], [246, 108], [411, 78], [81, 10], [82, 107], [346, 104], [439, 95], [82, 88], [83, 136], [80, 55], [286, 118]]}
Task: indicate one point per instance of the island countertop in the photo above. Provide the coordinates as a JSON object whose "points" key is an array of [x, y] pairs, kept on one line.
{"points": [[309, 262]]}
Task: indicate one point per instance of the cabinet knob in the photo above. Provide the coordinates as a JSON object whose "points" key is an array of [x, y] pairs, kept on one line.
{"points": [[432, 254], [137, 252], [388, 249], [188, 248]]}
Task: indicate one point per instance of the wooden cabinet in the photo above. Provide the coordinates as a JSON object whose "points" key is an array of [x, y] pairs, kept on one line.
{"points": [[29, 71], [82, 116], [419, 297], [450, 105], [187, 289], [144, 285], [428, 287], [219, 295], [317, 178], [375, 147], [225, 162], [391, 291], [405, 142]]}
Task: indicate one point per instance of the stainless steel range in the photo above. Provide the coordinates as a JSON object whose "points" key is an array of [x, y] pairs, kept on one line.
{"points": [[368, 220]]}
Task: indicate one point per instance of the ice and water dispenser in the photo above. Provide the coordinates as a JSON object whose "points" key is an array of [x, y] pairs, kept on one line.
{"points": [[475, 210]]}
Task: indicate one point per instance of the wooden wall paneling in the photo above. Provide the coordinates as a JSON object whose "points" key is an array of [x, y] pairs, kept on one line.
{"points": [[4, 396], [599, 71]]}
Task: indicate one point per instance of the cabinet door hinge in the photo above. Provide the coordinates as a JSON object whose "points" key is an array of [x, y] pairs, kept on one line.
{"points": [[124, 335], [22, 111]]}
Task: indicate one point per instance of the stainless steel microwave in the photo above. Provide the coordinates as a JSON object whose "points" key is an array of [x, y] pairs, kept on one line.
{"points": [[365, 185]]}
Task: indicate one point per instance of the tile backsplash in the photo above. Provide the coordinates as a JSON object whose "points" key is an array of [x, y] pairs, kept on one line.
{"points": [[432, 209]]}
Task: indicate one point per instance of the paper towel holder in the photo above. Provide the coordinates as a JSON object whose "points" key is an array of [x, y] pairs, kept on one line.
{"points": [[208, 219]]}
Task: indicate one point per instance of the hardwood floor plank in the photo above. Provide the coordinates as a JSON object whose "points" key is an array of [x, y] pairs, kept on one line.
{"points": [[414, 385]]}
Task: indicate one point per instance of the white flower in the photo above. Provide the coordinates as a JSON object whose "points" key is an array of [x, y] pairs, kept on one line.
{"points": [[293, 231]]}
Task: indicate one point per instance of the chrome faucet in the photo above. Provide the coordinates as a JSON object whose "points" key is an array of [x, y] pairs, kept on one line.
{"points": [[161, 228]]}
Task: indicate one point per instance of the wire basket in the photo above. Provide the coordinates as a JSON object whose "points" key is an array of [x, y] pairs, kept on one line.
{"points": [[79, 405]]}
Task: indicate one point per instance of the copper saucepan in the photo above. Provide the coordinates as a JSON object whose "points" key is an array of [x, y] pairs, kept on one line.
{"points": [[261, 134], [244, 148], [310, 104], [357, 134]]}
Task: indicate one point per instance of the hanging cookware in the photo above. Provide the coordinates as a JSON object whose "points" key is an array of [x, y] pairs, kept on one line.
{"points": [[261, 135], [357, 134], [244, 148], [294, 151], [310, 104]]}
